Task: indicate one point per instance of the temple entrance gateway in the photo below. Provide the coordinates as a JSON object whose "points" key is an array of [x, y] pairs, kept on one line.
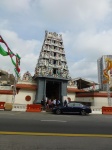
{"points": [[53, 90], [51, 72], [50, 88]]}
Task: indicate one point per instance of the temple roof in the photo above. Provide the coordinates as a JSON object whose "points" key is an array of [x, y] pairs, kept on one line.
{"points": [[84, 83], [2, 73], [6, 78]]}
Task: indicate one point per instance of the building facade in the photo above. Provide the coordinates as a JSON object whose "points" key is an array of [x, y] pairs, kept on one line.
{"points": [[26, 89], [101, 64]]}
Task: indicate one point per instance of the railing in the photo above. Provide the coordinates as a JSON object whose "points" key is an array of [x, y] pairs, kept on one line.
{"points": [[55, 44], [19, 107], [2, 105], [33, 108], [96, 110], [27, 107], [107, 110]]}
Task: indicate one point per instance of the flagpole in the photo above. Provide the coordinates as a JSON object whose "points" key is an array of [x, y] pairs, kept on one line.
{"points": [[16, 78], [14, 89]]}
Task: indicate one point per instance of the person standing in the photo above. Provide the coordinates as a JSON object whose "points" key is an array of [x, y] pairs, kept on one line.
{"points": [[58, 102], [54, 102], [65, 103]]}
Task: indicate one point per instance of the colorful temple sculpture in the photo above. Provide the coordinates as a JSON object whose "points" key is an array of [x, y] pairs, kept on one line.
{"points": [[51, 72], [27, 76]]}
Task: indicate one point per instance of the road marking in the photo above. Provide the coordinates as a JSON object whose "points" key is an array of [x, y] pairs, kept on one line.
{"points": [[56, 134], [54, 120]]}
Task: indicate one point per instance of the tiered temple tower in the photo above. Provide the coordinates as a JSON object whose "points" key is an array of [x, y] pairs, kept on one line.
{"points": [[51, 72]]}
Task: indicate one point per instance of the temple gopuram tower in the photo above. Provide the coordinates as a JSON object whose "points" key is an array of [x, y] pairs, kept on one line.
{"points": [[51, 72]]}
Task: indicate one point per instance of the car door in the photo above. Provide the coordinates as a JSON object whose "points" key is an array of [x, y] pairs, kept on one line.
{"points": [[68, 108], [71, 107], [76, 108]]}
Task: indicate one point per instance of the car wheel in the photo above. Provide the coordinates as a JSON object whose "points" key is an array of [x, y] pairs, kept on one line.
{"points": [[83, 112], [58, 111]]}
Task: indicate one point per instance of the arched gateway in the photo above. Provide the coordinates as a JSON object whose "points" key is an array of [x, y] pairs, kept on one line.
{"points": [[51, 72]]}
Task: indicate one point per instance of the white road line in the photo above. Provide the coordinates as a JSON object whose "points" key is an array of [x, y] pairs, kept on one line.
{"points": [[54, 120]]}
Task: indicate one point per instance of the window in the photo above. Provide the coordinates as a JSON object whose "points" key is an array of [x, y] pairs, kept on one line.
{"points": [[54, 62], [54, 71], [54, 54]]}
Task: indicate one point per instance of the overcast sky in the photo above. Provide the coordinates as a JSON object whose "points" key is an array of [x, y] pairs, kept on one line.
{"points": [[85, 25]]}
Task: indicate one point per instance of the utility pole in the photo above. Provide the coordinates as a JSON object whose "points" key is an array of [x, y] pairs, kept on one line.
{"points": [[14, 89], [108, 92]]}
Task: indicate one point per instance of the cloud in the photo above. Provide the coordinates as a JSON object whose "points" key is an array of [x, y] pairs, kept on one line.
{"points": [[54, 14], [21, 45], [95, 44], [16, 6], [4, 23], [73, 12], [85, 26], [85, 69], [28, 63], [84, 49]]}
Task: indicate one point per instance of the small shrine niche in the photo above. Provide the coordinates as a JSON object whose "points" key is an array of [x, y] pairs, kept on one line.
{"points": [[27, 76], [71, 83]]}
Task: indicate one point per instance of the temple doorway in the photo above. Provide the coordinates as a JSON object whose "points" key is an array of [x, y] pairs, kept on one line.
{"points": [[53, 90]]}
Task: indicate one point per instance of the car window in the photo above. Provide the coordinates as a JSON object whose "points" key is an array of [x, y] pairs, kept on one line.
{"points": [[78, 105], [75, 105], [71, 104]]}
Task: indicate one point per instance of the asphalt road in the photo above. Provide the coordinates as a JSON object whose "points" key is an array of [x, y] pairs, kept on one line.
{"points": [[23, 130], [51, 123]]}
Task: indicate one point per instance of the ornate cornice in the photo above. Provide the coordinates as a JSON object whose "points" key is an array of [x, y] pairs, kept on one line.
{"points": [[74, 90], [6, 92], [26, 86], [92, 94]]}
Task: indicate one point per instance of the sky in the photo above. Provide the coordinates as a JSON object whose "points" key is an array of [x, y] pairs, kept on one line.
{"points": [[85, 25]]}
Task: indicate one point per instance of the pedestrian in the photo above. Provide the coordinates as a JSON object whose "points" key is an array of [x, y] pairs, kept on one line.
{"points": [[54, 102], [43, 104], [58, 102], [49, 103], [65, 103]]}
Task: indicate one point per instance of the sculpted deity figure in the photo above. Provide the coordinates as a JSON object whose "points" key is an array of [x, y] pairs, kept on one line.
{"points": [[27, 76]]}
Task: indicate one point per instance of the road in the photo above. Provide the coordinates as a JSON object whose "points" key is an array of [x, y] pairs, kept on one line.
{"points": [[49, 131]]}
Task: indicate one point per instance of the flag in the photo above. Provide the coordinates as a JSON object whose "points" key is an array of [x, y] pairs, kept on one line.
{"points": [[18, 62], [11, 54], [3, 52], [2, 41]]}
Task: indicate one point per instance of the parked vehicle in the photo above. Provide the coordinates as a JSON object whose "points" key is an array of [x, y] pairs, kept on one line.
{"points": [[73, 107]]}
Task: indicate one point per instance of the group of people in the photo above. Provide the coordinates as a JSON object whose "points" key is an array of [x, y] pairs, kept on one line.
{"points": [[49, 104]]}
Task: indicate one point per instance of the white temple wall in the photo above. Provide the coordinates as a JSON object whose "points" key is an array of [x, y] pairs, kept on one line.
{"points": [[72, 96], [5, 98], [100, 101], [20, 97], [95, 101], [85, 99]]}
